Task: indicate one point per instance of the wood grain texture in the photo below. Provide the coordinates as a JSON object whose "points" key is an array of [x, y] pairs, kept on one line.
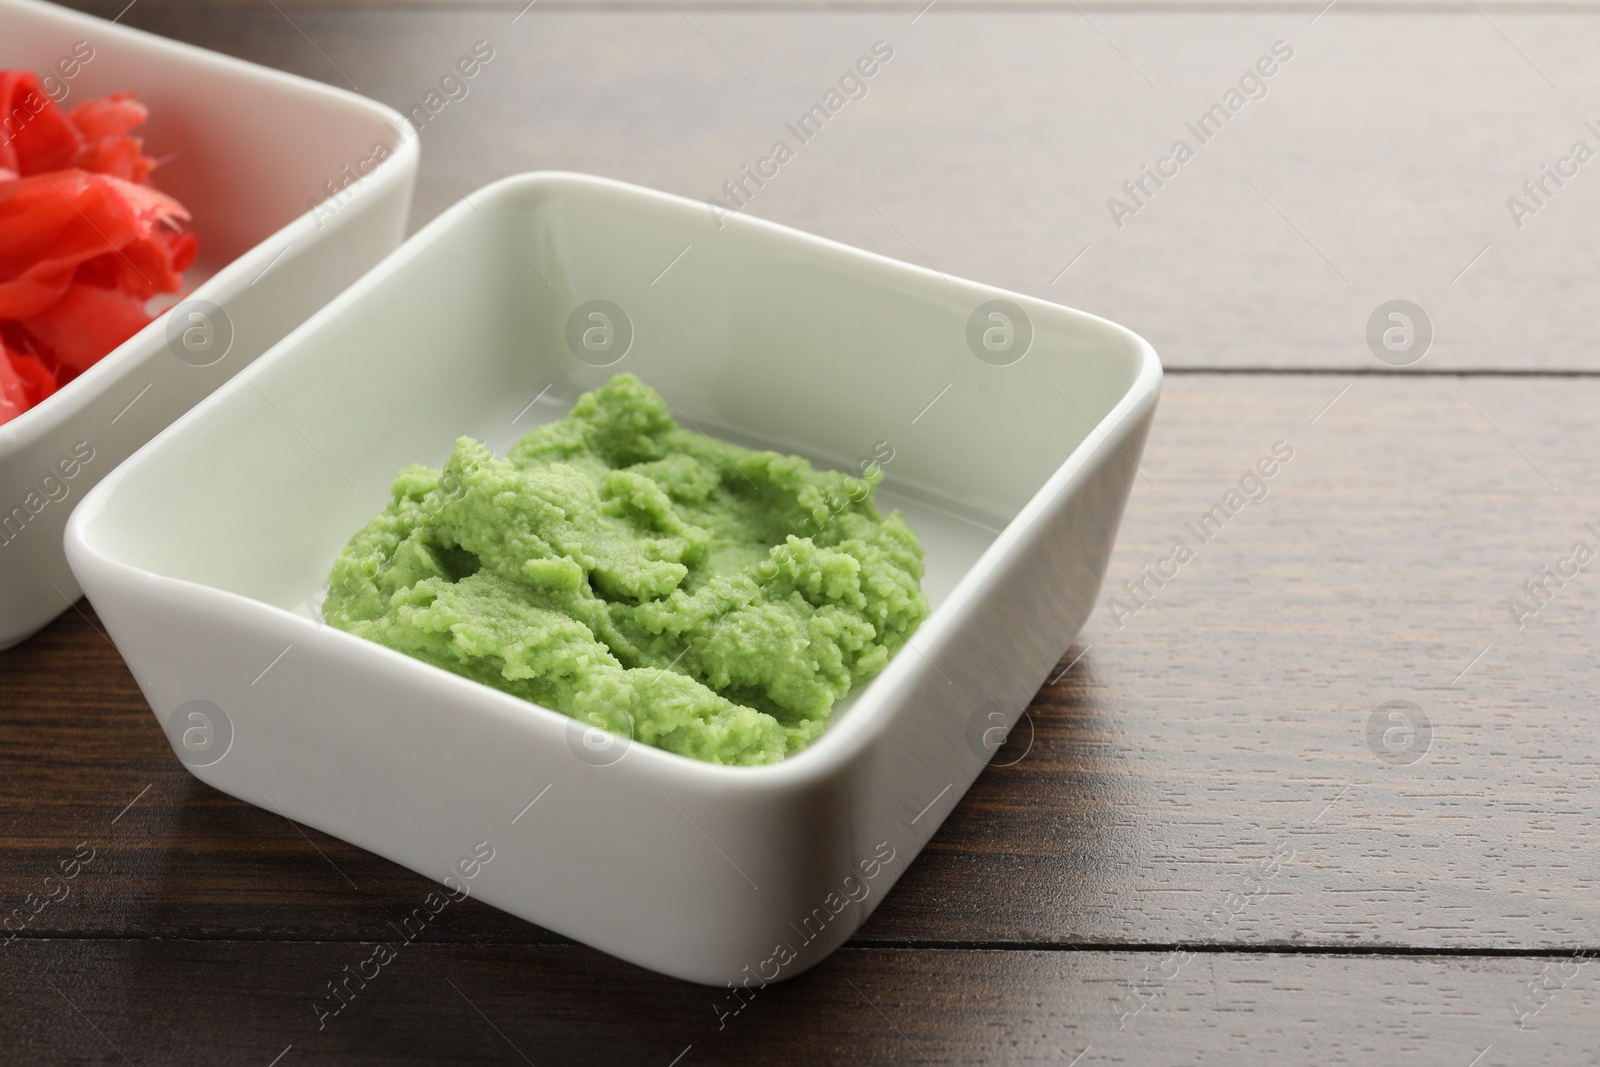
{"points": [[1377, 166], [1231, 716], [1225, 723], [1214, 766], [177, 1002]]}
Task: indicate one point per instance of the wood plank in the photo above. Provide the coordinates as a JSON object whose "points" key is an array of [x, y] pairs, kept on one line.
{"points": [[192, 1002], [1229, 719], [1225, 723], [1378, 166], [1207, 769], [86, 764]]}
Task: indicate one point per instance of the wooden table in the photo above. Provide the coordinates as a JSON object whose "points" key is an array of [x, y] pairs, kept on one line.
{"points": [[1210, 842]]}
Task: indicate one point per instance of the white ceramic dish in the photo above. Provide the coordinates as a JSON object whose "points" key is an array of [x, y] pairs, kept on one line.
{"points": [[248, 150], [203, 552]]}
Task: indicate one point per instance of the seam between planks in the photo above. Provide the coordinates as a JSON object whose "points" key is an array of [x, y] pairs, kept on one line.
{"points": [[892, 945]]}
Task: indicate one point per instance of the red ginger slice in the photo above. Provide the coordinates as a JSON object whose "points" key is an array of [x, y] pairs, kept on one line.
{"points": [[40, 137], [108, 149], [109, 116], [39, 379], [85, 324], [85, 240], [14, 399], [52, 223]]}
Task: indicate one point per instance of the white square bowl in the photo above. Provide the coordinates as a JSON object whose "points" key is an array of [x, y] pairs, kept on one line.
{"points": [[205, 553], [248, 150]]}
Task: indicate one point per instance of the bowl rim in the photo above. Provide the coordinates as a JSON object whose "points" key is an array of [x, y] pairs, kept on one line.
{"points": [[70, 400], [839, 744]]}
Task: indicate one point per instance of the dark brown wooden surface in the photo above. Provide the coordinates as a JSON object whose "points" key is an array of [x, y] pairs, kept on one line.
{"points": [[1406, 905], [1377, 166], [234, 1003]]}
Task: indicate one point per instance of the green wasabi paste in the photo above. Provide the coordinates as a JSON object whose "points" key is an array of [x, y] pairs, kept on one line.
{"points": [[704, 598]]}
